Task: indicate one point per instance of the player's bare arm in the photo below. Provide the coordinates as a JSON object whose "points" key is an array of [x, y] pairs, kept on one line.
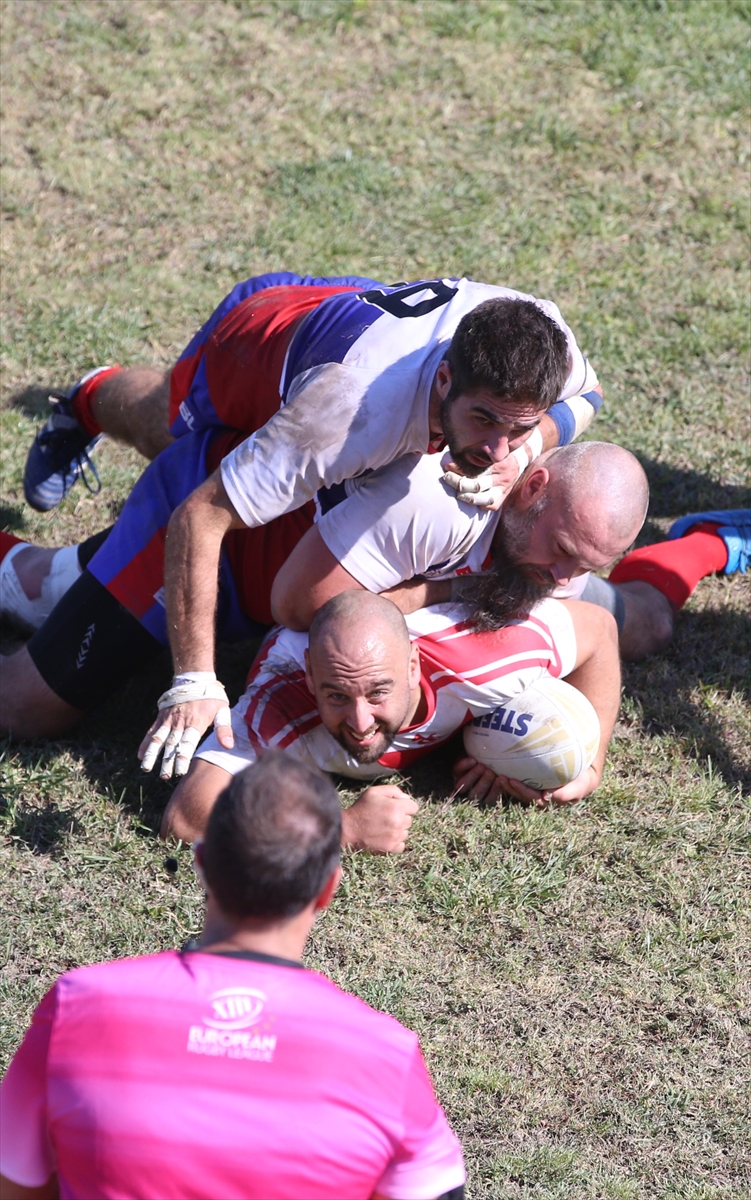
{"points": [[193, 547], [597, 675], [379, 820], [312, 575]]}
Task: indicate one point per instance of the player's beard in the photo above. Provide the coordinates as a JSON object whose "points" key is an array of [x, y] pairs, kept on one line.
{"points": [[459, 457], [510, 588], [371, 753]]}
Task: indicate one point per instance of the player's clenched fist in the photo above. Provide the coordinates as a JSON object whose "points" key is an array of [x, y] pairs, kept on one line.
{"points": [[379, 820]]}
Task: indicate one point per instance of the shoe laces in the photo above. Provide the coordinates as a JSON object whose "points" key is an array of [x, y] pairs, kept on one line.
{"points": [[83, 461]]}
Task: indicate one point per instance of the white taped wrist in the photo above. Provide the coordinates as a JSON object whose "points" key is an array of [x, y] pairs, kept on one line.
{"points": [[534, 444], [184, 693]]}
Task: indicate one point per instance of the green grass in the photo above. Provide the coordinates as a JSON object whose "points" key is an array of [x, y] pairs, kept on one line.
{"points": [[579, 979]]}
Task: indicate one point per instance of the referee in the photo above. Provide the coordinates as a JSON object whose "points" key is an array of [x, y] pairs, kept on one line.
{"points": [[228, 1069]]}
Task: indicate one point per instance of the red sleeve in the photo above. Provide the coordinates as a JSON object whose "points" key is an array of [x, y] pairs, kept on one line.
{"points": [[26, 1154], [429, 1160]]}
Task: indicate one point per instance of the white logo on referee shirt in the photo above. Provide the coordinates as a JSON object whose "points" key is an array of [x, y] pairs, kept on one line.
{"points": [[233, 1011], [235, 1008]]}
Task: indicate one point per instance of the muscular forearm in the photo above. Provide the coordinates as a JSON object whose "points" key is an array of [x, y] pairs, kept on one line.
{"points": [[549, 432], [191, 572]]}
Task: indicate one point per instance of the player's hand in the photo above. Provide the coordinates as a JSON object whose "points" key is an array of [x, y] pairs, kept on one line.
{"points": [[489, 489], [476, 781], [481, 783], [583, 786], [379, 820], [186, 711]]}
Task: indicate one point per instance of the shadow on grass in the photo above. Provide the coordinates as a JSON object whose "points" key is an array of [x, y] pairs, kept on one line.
{"points": [[32, 401], [42, 830], [710, 650], [675, 491]]}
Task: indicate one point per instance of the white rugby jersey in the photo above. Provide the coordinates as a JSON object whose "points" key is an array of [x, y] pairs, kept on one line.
{"points": [[463, 675], [356, 389], [402, 520]]}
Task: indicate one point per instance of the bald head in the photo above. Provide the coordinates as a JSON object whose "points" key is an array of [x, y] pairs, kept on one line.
{"points": [[363, 672], [602, 485], [361, 617]]}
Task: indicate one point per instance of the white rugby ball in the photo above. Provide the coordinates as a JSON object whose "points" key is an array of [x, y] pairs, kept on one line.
{"points": [[545, 737]]}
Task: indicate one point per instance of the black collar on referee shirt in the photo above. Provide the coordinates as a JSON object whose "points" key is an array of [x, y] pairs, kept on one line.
{"points": [[192, 947]]}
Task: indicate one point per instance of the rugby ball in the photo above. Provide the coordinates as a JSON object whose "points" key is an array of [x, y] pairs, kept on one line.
{"points": [[545, 737]]}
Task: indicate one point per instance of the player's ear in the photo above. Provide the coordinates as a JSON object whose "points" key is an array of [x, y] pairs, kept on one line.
{"points": [[326, 894], [443, 378], [414, 667], [532, 486], [309, 674], [198, 863]]}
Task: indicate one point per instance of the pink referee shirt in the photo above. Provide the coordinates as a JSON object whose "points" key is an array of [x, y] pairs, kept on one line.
{"points": [[220, 1076]]}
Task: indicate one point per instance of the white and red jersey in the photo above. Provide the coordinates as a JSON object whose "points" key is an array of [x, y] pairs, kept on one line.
{"points": [[356, 390], [237, 1076], [464, 674]]}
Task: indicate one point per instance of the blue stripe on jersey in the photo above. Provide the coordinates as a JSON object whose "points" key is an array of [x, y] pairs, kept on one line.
{"points": [[565, 421], [327, 333], [257, 283], [330, 330], [595, 399]]}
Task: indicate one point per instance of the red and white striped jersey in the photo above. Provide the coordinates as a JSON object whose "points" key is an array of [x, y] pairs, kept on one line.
{"points": [[464, 674]]}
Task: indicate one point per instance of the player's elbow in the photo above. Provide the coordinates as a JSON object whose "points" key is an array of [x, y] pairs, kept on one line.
{"points": [[291, 606]]}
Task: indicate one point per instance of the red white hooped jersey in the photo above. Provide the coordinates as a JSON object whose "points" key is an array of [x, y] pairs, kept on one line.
{"points": [[464, 674]]}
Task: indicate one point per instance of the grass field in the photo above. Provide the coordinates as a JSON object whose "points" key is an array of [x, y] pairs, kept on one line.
{"points": [[579, 979]]}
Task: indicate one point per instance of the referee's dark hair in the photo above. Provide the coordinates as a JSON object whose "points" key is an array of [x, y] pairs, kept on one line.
{"points": [[511, 348], [273, 838]]}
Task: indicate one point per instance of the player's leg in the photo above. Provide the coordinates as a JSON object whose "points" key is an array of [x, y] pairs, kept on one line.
{"points": [[656, 581], [29, 708], [34, 578], [130, 404], [88, 647]]}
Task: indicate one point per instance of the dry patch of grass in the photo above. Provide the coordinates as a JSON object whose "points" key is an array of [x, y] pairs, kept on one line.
{"points": [[579, 979]]}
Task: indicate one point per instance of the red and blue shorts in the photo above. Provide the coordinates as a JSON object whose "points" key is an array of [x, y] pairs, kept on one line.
{"points": [[230, 373], [130, 563]]}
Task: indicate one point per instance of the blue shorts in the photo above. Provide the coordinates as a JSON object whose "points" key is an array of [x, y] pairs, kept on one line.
{"points": [[130, 564]]}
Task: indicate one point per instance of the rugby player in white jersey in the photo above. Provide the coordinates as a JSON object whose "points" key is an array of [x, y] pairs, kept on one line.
{"points": [[565, 515], [363, 377]]}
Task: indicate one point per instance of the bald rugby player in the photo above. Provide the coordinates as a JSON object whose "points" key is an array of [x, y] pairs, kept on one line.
{"points": [[368, 695], [576, 511], [362, 376]]}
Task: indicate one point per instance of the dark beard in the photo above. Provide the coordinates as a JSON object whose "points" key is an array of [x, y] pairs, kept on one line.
{"points": [[510, 589], [470, 469]]}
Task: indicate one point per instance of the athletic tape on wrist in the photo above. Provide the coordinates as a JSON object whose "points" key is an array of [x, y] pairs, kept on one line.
{"points": [[184, 693]]}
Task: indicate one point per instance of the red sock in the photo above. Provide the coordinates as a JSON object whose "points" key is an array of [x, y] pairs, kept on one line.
{"points": [[675, 568], [81, 402], [7, 542]]}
